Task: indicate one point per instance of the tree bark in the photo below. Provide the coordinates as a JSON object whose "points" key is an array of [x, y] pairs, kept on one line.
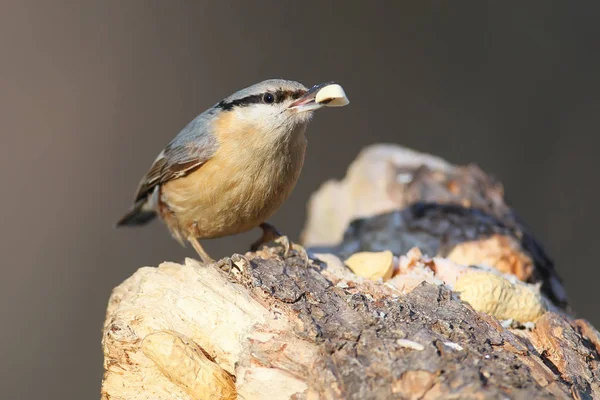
{"points": [[468, 306]]}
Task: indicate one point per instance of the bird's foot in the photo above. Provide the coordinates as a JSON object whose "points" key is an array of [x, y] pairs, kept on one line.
{"points": [[236, 264], [271, 234], [290, 247], [225, 265], [204, 257]]}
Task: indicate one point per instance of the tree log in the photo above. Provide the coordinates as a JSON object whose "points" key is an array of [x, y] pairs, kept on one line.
{"points": [[424, 296]]}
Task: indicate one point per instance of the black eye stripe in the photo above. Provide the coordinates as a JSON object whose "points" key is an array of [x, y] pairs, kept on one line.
{"points": [[245, 101], [279, 95]]}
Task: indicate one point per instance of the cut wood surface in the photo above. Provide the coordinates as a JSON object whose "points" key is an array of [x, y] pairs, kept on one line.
{"points": [[424, 322]]}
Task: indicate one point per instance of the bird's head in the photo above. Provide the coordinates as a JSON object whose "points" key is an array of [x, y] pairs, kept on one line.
{"points": [[277, 107]]}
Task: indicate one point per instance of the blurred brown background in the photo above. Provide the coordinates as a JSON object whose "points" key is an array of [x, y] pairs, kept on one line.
{"points": [[91, 91]]}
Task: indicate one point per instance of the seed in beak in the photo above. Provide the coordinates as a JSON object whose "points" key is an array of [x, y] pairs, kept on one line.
{"points": [[332, 96]]}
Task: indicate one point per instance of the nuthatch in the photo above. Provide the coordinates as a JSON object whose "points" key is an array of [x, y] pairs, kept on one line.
{"points": [[233, 165]]}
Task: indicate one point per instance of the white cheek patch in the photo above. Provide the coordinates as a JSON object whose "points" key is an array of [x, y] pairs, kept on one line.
{"points": [[256, 114], [262, 119], [332, 96]]}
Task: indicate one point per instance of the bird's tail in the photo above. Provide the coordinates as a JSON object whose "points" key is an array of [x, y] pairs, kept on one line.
{"points": [[139, 214]]}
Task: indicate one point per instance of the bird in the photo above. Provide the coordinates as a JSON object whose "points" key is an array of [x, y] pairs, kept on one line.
{"points": [[232, 167]]}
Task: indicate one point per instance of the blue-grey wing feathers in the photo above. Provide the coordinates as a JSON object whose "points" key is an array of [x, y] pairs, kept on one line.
{"points": [[191, 148]]}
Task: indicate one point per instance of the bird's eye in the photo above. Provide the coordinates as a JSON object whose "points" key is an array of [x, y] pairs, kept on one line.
{"points": [[268, 98]]}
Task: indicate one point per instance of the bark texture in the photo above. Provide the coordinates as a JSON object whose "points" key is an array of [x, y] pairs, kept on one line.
{"points": [[419, 200], [466, 310]]}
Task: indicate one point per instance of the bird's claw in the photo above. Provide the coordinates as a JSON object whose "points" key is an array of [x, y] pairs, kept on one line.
{"points": [[290, 247], [236, 261], [225, 265], [271, 234]]}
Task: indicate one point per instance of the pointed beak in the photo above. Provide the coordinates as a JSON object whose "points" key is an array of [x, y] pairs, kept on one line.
{"points": [[308, 101]]}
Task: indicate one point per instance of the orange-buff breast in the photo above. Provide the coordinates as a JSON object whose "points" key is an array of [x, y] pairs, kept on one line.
{"points": [[246, 181]]}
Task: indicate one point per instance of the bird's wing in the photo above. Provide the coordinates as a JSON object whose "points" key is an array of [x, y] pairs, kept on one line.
{"points": [[186, 153]]}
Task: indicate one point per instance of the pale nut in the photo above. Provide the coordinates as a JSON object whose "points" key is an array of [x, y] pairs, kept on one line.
{"points": [[372, 265], [495, 295], [332, 96]]}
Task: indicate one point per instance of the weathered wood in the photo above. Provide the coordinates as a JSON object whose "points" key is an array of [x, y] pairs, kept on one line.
{"points": [[419, 200], [266, 325], [465, 235], [283, 330]]}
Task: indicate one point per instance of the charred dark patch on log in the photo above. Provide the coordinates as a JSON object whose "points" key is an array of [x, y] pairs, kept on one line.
{"points": [[437, 228]]}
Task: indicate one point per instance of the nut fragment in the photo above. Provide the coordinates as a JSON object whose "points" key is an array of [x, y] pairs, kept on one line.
{"points": [[409, 344], [183, 362], [372, 265], [332, 96], [493, 294]]}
